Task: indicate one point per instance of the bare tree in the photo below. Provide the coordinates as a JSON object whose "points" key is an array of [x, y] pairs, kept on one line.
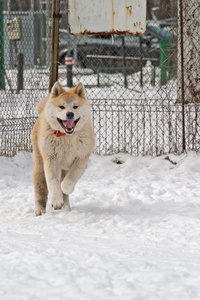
{"points": [[189, 51]]}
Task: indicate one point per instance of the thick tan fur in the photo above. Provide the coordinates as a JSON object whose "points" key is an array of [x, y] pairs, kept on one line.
{"points": [[59, 162]]}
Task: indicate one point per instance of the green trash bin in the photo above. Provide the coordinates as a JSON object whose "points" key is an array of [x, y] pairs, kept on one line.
{"points": [[167, 62]]}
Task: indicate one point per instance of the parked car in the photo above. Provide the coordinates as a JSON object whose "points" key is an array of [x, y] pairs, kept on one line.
{"points": [[113, 52], [93, 52]]}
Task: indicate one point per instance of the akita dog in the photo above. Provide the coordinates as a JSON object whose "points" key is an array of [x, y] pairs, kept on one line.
{"points": [[62, 139]]}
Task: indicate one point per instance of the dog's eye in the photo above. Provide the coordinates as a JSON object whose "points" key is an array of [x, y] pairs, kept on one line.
{"points": [[75, 106], [62, 107]]}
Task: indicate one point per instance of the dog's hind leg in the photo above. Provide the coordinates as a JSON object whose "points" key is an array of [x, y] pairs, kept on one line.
{"points": [[65, 197], [41, 191]]}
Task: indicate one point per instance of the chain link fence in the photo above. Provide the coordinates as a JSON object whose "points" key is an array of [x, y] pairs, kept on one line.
{"points": [[144, 90]]}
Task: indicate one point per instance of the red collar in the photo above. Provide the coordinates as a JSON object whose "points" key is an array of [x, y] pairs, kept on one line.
{"points": [[58, 133]]}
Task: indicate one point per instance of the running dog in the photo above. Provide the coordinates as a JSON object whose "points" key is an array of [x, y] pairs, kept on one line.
{"points": [[62, 139]]}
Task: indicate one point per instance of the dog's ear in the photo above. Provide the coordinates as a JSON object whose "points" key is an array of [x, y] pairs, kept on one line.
{"points": [[56, 89], [80, 90]]}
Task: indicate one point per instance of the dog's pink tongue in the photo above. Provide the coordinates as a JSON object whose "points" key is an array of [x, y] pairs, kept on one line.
{"points": [[70, 123]]}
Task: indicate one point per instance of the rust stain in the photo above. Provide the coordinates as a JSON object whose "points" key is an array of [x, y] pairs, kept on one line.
{"points": [[129, 10], [135, 24], [107, 32]]}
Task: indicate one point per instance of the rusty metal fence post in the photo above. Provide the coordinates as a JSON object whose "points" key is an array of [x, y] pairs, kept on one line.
{"points": [[2, 71], [55, 16], [182, 73]]}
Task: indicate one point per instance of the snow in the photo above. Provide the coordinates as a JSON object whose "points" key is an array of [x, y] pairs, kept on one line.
{"points": [[133, 232]]}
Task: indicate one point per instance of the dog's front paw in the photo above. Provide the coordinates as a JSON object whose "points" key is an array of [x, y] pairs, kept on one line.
{"points": [[40, 211], [67, 187], [57, 204]]}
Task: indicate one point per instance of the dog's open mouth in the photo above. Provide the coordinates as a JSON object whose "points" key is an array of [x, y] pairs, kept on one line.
{"points": [[68, 125]]}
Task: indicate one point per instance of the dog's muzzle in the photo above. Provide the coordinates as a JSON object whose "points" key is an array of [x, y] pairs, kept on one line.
{"points": [[68, 125]]}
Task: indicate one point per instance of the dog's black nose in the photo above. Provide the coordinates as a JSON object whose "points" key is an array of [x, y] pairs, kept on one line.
{"points": [[70, 115]]}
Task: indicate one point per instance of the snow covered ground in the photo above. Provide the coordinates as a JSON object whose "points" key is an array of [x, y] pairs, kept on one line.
{"points": [[133, 233]]}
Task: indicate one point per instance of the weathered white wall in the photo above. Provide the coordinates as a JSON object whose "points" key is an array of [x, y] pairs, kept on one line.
{"points": [[107, 16]]}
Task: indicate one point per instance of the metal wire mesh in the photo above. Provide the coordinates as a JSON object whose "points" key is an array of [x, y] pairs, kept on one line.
{"points": [[144, 90]]}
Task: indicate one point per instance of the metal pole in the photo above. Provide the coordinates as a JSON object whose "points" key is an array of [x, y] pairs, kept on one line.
{"points": [[141, 62], [20, 79], [10, 50], [124, 62], [69, 67], [154, 76], [182, 73], [47, 39], [69, 74], [2, 71], [33, 34], [55, 16]]}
